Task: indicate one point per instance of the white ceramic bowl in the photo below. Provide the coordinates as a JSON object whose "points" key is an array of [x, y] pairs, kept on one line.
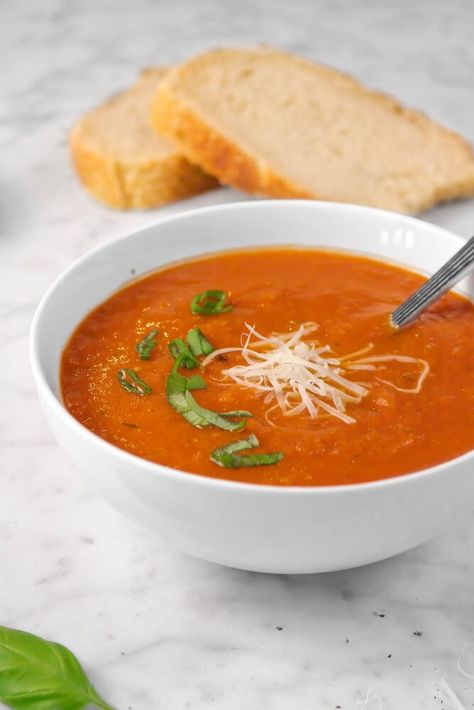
{"points": [[254, 527]]}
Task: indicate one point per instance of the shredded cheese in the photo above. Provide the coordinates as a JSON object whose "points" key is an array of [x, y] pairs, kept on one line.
{"points": [[299, 375]]}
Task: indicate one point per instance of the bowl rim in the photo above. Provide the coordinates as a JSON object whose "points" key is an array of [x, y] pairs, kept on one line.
{"points": [[178, 475]]}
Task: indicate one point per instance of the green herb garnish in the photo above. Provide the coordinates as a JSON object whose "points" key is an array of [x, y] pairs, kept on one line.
{"points": [[136, 385], [198, 343], [196, 382], [36, 674], [223, 420], [179, 396], [145, 346], [228, 457], [182, 354], [210, 303]]}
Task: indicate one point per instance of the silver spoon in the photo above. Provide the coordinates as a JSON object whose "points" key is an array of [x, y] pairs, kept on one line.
{"points": [[451, 273]]}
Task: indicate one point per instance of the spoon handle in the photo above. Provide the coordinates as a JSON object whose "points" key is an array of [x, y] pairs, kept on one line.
{"points": [[451, 273]]}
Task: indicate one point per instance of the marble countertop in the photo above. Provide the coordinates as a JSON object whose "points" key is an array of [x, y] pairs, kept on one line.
{"points": [[153, 627]]}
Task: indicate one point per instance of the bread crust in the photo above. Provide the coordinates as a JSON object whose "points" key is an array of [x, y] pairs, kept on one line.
{"points": [[140, 185], [210, 147], [217, 153], [134, 184]]}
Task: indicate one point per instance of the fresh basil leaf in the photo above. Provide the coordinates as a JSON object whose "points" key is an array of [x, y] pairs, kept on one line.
{"points": [[210, 303], [182, 354], [179, 396], [144, 347], [176, 388], [237, 413], [36, 674], [196, 382], [214, 418], [198, 343], [228, 457], [250, 460], [136, 386], [251, 442]]}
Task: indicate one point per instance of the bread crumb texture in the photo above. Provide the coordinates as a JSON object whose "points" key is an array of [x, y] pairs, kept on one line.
{"points": [[123, 161], [271, 123]]}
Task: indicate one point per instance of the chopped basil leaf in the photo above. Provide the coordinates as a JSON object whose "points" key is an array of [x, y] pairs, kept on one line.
{"points": [[182, 354], [196, 382], [251, 442], [222, 421], [228, 457], [145, 346], [237, 413], [177, 387], [137, 386], [210, 303], [198, 344], [179, 396], [179, 384]]}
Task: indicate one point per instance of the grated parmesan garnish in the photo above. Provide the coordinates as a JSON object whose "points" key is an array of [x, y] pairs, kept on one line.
{"points": [[299, 375]]}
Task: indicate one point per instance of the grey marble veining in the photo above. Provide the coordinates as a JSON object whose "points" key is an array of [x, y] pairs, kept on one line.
{"points": [[154, 628]]}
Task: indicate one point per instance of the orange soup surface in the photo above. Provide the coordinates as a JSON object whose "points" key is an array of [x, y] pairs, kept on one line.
{"points": [[395, 429]]}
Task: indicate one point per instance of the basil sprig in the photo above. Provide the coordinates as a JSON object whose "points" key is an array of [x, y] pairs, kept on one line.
{"points": [[36, 674], [179, 396], [198, 343], [228, 456], [182, 354], [210, 303], [131, 382], [144, 347]]}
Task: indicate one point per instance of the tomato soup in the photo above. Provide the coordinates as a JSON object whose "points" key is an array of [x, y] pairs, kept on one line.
{"points": [[276, 366]]}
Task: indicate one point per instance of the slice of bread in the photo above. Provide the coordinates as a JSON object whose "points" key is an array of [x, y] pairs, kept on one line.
{"points": [[123, 162], [267, 122]]}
